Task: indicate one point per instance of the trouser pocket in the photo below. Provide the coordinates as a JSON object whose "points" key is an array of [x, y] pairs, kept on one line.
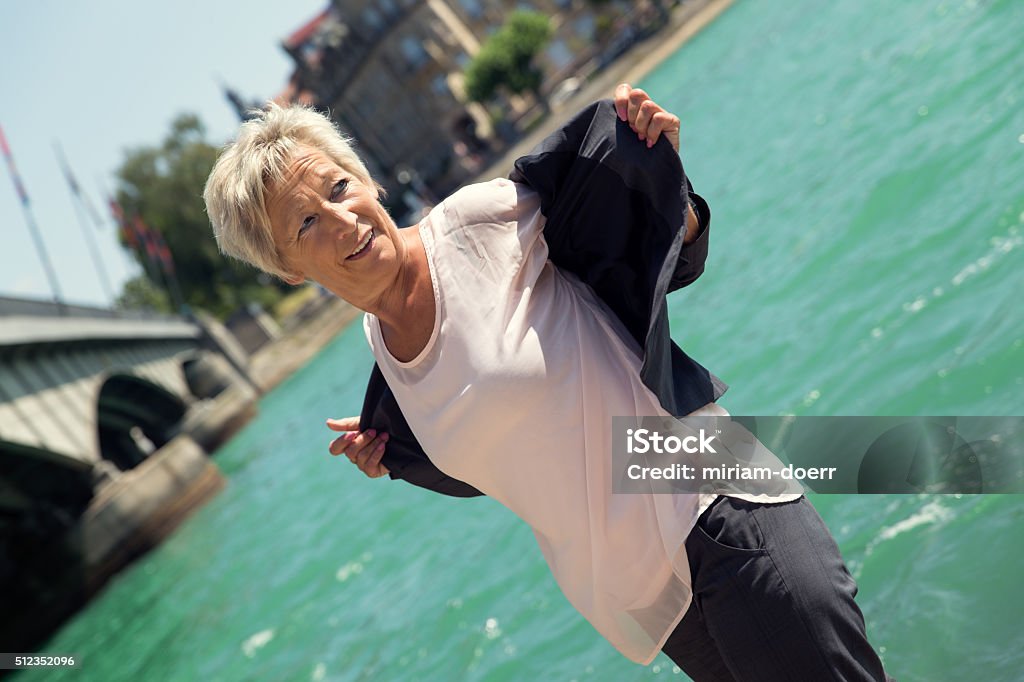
{"points": [[728, 527]]}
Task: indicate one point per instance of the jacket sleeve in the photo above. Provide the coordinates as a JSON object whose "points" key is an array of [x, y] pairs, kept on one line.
{"points": [[403, 456], [565, 169], [616, 213], [692, 256]]}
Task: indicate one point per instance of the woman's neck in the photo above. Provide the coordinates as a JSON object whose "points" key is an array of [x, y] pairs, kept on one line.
{"points": [[407, 310]]}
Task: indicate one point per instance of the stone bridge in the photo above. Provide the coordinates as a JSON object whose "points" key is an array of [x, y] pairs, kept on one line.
{"points": [[100, 386], [104, 420]]}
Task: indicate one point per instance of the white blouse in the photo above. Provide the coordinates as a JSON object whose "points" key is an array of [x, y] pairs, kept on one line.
{"points": [[514, 393]]}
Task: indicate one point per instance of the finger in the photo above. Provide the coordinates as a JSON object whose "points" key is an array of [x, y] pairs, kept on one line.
{"points": [[658, 122], [664, 123], [643, 118], [374, 469], [341, 443], [636, 98], [343, 424], [366, 447], [622, 100], [362, 461], [359, 443]]}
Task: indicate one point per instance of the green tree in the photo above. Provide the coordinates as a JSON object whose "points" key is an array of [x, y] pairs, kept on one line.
{"points": [[164, 186], [140, 293], [506, 58]]}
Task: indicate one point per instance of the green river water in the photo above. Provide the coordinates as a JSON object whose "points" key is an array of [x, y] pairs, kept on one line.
{"points": [[864, 161]]}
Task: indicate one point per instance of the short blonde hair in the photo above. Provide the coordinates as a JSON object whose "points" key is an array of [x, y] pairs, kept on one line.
{"points": [[236, 191]]}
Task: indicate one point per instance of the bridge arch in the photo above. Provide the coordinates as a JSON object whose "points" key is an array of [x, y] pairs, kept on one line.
{"points": [[134, 417]]}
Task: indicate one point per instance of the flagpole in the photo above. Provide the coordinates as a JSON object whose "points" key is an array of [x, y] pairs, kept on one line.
{"points": [[129, 232], [167, 261], [77, 200], [30, 220], [145, 233], [103, 223], [146, 245]]}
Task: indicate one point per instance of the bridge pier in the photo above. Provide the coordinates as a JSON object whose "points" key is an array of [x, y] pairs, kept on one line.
{"points": [[128, 517], [142, 506]]}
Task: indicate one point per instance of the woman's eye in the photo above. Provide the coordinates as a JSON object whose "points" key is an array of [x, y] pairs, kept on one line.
{"points": [[338, 189], [306, 224]]}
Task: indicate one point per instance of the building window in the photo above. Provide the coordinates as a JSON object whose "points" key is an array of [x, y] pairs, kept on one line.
{"points": [[559, 54], [310, 53], [372, 18], [472, 7], [583, 26], [413, 51]]}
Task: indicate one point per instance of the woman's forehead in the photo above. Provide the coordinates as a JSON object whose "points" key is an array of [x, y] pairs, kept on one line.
{"points": [[307, 171], [310, 163], [307, 167]]}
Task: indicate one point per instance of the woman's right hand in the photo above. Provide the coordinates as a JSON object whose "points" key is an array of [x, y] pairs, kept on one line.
{"points": [[365, 449], [645, 116]]}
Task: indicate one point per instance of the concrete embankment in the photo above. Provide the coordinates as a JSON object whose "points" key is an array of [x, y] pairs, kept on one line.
{"points": [[279, 360], [143, 506], [130, 514]]}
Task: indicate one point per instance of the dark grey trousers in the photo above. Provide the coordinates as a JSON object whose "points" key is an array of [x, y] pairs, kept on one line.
{"points": [[772, 600]]}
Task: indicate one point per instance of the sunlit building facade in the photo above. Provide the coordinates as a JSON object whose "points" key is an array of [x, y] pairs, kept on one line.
{"points": [[390, 72]]}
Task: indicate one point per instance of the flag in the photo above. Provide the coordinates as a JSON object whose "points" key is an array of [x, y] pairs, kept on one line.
{"points": [[142, 238], [165, 253], [18, 186], [116, 210], [128, 235], [158, 247], [147, 238], [33, 228]]}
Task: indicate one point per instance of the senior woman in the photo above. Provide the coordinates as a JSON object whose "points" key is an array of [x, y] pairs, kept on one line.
{"points": [[509, 326]]}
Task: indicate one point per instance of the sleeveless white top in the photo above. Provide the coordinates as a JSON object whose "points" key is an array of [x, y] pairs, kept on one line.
{"points": [[514, 393]]}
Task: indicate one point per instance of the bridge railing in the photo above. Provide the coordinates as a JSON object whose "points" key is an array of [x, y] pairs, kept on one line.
{"points": [[42, 308]]}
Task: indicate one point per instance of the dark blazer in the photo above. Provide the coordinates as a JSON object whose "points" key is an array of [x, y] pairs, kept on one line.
{"points": [[615, 215]]}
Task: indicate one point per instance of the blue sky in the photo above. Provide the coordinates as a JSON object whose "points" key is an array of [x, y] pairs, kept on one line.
{"points": [[104, 76]]}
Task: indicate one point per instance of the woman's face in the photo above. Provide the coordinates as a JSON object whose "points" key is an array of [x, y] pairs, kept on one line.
{"points": [[329, 227]]}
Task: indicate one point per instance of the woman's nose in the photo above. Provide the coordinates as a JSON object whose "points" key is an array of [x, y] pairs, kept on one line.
{"points": [[346, 221]]}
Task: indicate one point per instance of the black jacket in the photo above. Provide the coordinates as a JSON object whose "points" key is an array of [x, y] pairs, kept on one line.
{"points": [[615, 218]]}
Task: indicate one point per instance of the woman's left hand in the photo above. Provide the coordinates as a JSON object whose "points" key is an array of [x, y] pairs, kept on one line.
{"points": [[365, 449], [647, 119]]}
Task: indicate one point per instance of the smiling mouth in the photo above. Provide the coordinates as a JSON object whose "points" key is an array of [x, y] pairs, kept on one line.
{"points": [[364, 246]]}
